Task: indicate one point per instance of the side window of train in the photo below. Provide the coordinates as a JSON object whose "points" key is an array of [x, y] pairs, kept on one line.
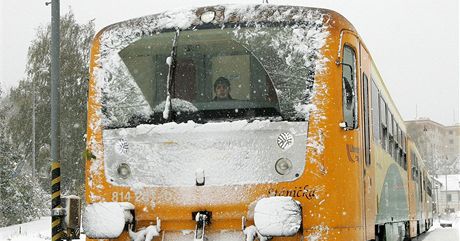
{"points": [[390, 133], [383, 124], [396, 143], [350, 115], [404, 155], [375, 111], [429, 188], [414, 165]]}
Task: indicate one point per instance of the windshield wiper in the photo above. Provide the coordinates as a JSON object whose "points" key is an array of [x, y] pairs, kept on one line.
{"points": [[171, 61]]}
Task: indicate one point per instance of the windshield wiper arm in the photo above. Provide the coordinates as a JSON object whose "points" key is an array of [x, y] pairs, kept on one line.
{"points": [[171, 61]]}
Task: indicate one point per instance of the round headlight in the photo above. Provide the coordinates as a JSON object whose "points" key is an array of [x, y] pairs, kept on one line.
{"points": [[123, 170], [208, 16], [283, 166]]}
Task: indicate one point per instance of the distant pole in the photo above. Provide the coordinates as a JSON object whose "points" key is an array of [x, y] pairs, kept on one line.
{"points": [[33, 128], [56, 221]]}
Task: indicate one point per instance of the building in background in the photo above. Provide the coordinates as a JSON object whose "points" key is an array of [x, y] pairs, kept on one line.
{"points": [[449, 193], [438, 145]]}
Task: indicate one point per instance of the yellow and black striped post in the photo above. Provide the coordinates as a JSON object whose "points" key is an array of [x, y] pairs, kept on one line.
{"points": [[56, 228], [56, 209]]}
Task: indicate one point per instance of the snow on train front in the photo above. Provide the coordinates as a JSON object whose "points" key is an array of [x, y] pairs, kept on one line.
{"points": [[170, 157]]}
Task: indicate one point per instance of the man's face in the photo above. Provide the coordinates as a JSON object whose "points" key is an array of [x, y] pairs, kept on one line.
{"points": [[222, 91]]}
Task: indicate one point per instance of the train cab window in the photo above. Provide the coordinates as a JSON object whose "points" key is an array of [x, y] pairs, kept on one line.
{"points": [[375, 111], [350, 114], [201, 58], [170, 76]]}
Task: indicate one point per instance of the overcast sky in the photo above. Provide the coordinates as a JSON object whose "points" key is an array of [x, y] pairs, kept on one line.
{"points": [[414, 43]]}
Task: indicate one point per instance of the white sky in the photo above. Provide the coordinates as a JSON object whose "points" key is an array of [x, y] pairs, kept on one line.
{"points": [[415, 43]]}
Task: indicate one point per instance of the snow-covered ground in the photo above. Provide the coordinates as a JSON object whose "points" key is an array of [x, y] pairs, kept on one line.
{"points": [[38, 230], [438, 233]]}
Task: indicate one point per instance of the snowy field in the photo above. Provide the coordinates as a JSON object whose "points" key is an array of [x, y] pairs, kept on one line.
{"points": [[39, 230], [438, 233]]}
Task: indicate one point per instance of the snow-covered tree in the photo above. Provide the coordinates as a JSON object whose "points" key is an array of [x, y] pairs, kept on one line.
{"points": [[74, 60], [21, 196]]}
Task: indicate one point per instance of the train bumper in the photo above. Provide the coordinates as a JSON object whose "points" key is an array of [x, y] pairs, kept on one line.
{"points": [[273, 217]]}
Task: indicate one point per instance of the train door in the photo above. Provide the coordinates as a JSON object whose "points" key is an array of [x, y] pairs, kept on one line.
{"points": [[350, 107], [368, 164]]}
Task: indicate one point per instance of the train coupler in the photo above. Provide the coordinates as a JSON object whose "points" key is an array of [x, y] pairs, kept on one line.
{"points": [[201, 219]]}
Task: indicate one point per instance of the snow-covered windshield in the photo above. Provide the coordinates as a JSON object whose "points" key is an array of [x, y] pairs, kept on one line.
{"points": [[213, 76], [239, 71]]}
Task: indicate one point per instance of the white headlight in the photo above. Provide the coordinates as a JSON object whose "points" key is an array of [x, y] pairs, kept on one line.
{"points": [[123, 170], [277, 216], [207, 17], [97, 216], [283, 166]]}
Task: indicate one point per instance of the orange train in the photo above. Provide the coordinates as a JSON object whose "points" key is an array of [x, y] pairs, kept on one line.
{"points": [[307, 144]]}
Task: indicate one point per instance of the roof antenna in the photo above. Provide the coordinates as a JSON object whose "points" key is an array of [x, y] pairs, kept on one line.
{"points": [[265, 1]]}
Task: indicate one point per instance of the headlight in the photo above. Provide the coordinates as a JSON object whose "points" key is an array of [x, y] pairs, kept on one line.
{"points": [[277, 216], [283, 166], [123, 170], [97, 216], [207, 17], [106, 220]]}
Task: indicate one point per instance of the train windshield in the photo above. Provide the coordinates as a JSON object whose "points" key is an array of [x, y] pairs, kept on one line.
{"points": [[209, 75]]}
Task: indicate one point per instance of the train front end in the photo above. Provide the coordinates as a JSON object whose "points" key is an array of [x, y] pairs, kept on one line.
{"points": [[200, 125]]}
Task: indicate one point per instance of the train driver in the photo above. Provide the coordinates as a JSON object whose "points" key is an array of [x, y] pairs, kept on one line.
{"points": [[222, 89]]}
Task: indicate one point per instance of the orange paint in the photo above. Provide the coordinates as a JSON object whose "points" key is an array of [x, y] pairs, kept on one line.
{"points": [[338, 191]]}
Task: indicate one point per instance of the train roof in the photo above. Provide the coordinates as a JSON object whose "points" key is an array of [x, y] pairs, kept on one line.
{"points": [[231, 14]]}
